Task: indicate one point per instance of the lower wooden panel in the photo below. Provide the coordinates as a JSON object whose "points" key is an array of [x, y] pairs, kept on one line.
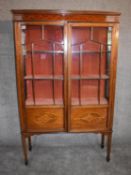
{"points": [[45, 119], [88, 119]]}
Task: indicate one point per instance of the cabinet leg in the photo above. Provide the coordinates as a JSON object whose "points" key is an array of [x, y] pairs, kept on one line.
{"points": [[25, 149], [29, 142], [102, 140], [109, 143]]}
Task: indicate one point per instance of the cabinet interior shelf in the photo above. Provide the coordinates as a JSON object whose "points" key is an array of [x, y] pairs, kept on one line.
{"points": [[60, 77], [46, 52], [90, 52], [89, 101], [92, 77], [41, 77], [74, 101], [62, 52]]}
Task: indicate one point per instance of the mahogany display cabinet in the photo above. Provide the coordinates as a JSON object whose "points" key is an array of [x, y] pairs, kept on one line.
{"points": [[66, 71]]}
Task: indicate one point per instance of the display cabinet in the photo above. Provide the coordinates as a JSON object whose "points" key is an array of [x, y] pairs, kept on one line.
{"points": [[66, 71]]}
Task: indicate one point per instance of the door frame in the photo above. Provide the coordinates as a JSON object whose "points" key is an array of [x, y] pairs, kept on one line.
{"points": [[113, 61], [20, 71]]}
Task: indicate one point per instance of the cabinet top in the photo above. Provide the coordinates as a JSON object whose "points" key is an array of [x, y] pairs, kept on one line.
{"points": [[65, 12], [68, 15]]}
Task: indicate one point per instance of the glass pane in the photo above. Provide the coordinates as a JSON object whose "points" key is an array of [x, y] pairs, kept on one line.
{"points": [[43, 54], [90, 65], [89, 92], [91, 52], [29, 92], [84, 92], [40, 92], [104, 91], [43, 92], [75, 92], [58, 92]]}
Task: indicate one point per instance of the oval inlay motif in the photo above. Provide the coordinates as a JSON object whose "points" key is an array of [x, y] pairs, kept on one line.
{"points": [[44, 119], [89, 117]]}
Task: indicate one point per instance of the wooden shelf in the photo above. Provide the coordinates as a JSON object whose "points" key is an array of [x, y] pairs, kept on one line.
{"points": [[92, 77], [89, 52], [86, 41], [46, 101], [46, 52], [42, 77], [62, 52], [89, 101], [60, 77], [74, 101], [47, 40]]}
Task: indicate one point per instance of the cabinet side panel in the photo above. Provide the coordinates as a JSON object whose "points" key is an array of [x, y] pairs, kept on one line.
{"points": [[19, 74], [113, 68]]}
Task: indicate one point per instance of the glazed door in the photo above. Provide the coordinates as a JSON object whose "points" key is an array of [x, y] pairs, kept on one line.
{"points": [[43, 49], [89, 76]]}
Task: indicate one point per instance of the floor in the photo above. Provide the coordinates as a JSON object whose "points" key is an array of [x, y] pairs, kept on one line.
{"points": [[66, 154]]}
